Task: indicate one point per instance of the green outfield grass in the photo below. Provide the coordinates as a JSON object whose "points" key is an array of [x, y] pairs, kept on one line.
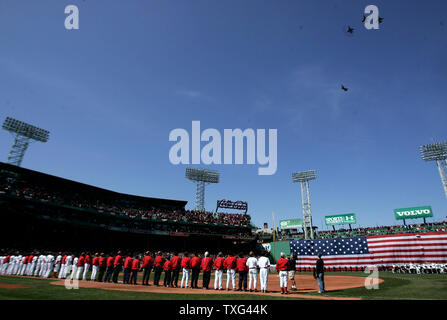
{"points": [[395, 286], [41, 289]]}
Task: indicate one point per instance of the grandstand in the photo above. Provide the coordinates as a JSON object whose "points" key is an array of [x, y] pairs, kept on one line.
{"points": [[371, 231], [44, 211]]}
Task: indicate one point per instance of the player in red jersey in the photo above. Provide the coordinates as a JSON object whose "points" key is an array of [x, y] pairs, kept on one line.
{"points": [[186, 266], [110, 268], [219, 267], [230, 265], [127, 269], [195, 267], [282, 265], [102, 265], [158, 267], [167, 267], [175, 260], [136, 265], [95, 267], [148, 262], [80, 266], [117, 265], [206, 265], [242, 269], [88, 261]]}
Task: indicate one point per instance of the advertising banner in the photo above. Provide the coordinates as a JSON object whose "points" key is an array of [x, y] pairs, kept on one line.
{"points": [[291, 224], [348, 218], [413, 213]]}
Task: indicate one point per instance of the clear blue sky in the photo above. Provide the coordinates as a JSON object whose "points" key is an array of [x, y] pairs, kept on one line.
{"points": [[111, 92]]}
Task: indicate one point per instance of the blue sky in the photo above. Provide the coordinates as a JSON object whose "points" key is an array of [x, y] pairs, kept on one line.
{"points": [[111, 92]]}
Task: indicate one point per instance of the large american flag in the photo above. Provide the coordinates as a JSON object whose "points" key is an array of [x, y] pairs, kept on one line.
{"points": [[373, 250]]}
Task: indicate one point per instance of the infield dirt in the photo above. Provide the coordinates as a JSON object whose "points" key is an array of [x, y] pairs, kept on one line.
{"points": [[305, 284]]}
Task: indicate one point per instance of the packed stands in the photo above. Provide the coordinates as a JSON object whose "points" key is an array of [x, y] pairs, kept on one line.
{"points": [[132, 208], [384, 230], [372, 231], [48, 207]]}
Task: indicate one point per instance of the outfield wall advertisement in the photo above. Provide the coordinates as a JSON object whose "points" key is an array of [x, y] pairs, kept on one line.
{"points": [[291, 224], [413, 213], [348, 218]]}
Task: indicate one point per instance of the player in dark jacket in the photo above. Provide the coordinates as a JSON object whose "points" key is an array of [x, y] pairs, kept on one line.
{"points": [[319, 272]]}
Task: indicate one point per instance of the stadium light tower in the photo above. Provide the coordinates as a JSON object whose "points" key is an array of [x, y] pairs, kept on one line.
{"points": [[24, 132], [201, 177], [304, 177], [437, 152]]}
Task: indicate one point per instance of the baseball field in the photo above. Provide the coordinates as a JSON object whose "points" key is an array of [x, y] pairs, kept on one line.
{"points": [[339, 286]]}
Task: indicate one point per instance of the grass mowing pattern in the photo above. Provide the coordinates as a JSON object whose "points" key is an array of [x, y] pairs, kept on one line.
{"points": [[395, 286], [41, 289]]}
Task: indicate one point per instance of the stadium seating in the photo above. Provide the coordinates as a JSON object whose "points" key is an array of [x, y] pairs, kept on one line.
{"points": [[71, 201], [74, 200], [373, 231]]}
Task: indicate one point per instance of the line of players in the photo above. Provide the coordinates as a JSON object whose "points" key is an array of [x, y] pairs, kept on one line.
{"points": [[107, 268], [422, 268]]}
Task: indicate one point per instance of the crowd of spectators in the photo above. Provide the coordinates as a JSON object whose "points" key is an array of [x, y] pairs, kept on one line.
{"points": [[123, 206], [384, 230], [369, 231]]}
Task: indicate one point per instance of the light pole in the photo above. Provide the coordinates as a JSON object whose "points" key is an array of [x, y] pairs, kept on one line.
{"points": [[24, 132], [201, 177], [304, 177], [437, 152]]}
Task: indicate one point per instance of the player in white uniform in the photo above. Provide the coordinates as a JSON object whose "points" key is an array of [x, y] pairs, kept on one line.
{"points": [[2, 260], [33, 265], [28, 266], [74, 270], [252, 264], [57, 264], [12, 263], [18, 264], [6, 264], [264, 266], [23, 265], [43, 266], [68, 266], [63, 267], [50, 265], [38, 265]]}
